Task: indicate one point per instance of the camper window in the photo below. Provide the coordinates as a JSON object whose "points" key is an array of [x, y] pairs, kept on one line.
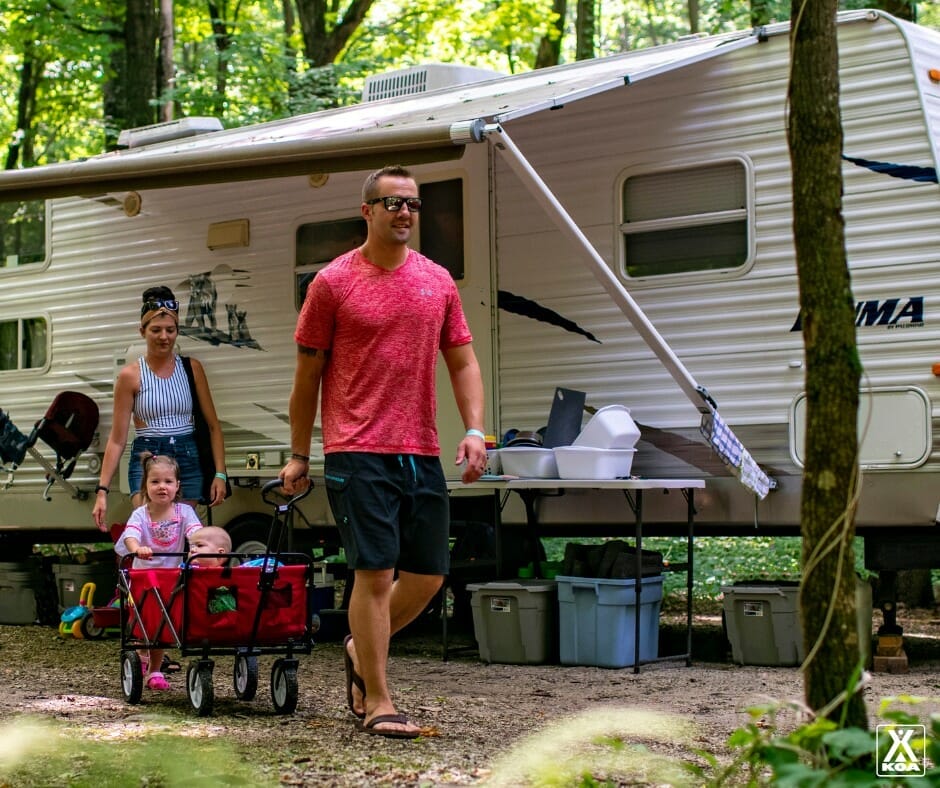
{"points": [[22, 233], [23, 344], [319, 242], [441, 225], [686, 219]]}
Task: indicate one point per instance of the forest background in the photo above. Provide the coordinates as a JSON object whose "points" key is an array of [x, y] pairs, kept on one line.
{"points": [[73, 73]]}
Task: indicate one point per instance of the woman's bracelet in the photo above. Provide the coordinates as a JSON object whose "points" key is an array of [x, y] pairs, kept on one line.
{"points": [[222, 476], [301, 457], [476, 434]]}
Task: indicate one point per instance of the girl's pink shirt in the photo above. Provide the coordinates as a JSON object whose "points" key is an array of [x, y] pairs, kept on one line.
{"points": [[163, 536]]}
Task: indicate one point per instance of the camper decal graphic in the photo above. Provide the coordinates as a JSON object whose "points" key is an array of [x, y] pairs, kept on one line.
{"points": [[909, 172], [519, 305], [201, 318], [891, 313]]}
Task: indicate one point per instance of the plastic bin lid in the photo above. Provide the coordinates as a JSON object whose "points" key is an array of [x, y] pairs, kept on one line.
{"points": [[515, 585], [780, 589]]}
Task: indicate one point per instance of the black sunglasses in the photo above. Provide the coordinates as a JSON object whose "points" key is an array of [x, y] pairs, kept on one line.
{"points": [[160, 303], [394, 203]]}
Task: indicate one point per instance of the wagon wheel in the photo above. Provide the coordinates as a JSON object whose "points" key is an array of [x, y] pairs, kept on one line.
{"points": [[246, 677], [199, 686], [284, 685], [86, 626], [132, 677]]}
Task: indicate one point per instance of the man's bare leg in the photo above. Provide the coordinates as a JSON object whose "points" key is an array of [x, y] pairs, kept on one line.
{"points": [[378, 608]]}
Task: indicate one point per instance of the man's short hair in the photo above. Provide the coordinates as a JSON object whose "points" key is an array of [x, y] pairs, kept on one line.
{"points": [[370, 189]]}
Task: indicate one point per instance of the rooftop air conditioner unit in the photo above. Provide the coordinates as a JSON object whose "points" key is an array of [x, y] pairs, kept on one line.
{"points": [[421, 79], [165, 132]]}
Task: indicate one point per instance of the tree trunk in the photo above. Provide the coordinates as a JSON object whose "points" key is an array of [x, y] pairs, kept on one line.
{"points": [[290, 54], [140, 73], [693, 16], [323, 46], [166, 73], [830, 475], [549, 53], [132, 66], [20, 149], [222, 35], [585, 30]]}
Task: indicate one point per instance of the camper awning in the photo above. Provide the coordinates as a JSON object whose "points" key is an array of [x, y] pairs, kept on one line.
{"points": [[414, 128]]}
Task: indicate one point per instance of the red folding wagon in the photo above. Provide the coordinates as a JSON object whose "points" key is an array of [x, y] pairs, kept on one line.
{"points": [[242, 611]]}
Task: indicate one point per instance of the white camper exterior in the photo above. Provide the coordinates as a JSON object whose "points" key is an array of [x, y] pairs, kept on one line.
{"points": [[660, 156]]}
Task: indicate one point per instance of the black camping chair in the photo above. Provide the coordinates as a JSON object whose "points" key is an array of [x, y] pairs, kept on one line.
{"points": [[67, 427]]}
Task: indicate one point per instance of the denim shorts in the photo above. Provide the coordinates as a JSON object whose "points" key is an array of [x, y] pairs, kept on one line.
{"points": [[392, 510], [182, 448]]}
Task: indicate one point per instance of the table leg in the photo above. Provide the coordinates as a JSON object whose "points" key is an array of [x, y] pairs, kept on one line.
{"points": [[529, 498], [638, 580]]}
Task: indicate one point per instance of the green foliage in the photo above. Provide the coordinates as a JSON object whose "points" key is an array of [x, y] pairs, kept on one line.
{"points": [[817, 752], [723, 560], [602, 747], [256, 72], [34, 755]]}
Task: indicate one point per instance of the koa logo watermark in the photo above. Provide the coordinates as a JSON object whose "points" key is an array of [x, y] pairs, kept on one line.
{"points": [[894, 745]]}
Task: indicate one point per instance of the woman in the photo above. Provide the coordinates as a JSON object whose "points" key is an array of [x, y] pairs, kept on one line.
{"points": [[154, 391]]}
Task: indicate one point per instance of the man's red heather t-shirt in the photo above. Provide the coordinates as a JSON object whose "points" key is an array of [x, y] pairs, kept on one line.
{"points": [[384, 330]]}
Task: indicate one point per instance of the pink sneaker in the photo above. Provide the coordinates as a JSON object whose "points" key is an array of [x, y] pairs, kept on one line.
{"points": [[157, 681]]}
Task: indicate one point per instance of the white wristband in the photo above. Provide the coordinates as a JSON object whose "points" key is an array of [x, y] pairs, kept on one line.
{"points": [[476, 434]]}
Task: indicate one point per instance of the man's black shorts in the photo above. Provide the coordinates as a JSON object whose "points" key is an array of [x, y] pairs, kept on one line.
{"points": [[392, 510]]}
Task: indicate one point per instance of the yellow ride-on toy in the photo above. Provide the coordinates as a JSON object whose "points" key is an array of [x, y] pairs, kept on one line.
{"points": [[70, 623]]}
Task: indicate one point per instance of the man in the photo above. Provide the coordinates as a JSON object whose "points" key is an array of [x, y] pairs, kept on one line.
{"points": [[370, 330]]}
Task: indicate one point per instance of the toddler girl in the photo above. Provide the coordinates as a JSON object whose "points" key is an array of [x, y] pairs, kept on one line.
{"points": [[162, 524]]}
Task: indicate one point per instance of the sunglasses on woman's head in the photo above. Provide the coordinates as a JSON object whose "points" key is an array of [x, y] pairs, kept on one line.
{"points": [[160, 303], [394, 203]]}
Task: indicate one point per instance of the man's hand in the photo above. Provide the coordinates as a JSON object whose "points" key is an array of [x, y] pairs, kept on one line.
{"points": [[294, 476], [472, 449]]}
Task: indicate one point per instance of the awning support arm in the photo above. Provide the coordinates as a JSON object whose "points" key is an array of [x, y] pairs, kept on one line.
{"points": [[495, 134], [718, 434]]}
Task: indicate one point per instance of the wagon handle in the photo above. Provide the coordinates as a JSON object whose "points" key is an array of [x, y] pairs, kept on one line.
{"points": [[280, 503]]}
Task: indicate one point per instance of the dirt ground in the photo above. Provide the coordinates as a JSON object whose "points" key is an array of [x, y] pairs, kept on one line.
{"points": [[479, 717]]}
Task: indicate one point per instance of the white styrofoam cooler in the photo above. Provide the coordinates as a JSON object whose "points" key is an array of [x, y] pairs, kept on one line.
{"points": [[585, 462], [611, 427]]}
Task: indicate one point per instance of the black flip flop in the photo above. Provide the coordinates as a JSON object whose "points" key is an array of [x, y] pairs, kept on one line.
{"points": [[170, 665], [352, 679], [401, 719]]}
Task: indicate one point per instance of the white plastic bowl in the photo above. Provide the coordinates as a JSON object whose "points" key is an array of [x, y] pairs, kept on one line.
{"points": [[587, 462], [494, 466], [611, 427], [528, 462]]}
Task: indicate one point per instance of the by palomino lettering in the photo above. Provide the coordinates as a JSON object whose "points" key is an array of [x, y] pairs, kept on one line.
{"points": [[890, 313]]}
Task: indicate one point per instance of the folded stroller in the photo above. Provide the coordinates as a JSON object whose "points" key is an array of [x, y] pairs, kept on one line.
{"points": [[67, 427]]}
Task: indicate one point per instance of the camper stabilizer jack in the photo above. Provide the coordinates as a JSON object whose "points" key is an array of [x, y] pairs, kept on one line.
{"points": [[718, 434]]}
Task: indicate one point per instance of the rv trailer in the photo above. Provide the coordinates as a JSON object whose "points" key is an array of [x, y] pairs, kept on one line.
{"points": [[671, 162]]}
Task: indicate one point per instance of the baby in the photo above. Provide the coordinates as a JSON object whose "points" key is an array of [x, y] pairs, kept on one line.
{"points": [[205, 543]]}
